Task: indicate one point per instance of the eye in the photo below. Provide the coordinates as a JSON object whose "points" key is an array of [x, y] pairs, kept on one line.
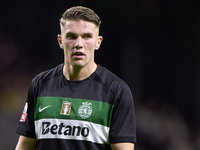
{"points": [[71, 36], [87, 36]]}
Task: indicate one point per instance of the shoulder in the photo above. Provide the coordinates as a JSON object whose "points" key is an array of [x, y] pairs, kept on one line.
{"points": [[109, 79], [48, 74]]}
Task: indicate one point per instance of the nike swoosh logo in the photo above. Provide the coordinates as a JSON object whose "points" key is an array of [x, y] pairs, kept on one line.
{"points": [[41, 109]]}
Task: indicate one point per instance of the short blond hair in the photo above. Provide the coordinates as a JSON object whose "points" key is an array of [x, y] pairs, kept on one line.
{"points": [[77, 13]]}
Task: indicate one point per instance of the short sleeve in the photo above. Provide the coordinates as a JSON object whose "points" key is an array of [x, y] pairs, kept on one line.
{"points": [[26, 123], [123, 123]]}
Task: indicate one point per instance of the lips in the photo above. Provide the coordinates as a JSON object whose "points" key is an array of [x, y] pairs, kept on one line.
{"points": [[78, 55]]}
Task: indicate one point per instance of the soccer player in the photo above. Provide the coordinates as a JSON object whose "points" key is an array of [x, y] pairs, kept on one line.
{"points": [[100, 111]]}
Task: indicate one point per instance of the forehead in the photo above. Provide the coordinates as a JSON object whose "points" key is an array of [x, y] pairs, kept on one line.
{"points": [[79, 26]]}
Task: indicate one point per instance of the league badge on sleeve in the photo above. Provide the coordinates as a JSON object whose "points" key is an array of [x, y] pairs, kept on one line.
{"points": [[24, 114]]}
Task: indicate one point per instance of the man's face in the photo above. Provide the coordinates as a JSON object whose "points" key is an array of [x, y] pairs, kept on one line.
{"points": [[79, 40]]}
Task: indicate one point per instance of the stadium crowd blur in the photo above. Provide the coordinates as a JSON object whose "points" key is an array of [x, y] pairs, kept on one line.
{"points": [[152, 45]]}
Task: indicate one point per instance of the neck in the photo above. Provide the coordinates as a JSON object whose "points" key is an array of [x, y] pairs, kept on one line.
{"points": [[77, 73]]}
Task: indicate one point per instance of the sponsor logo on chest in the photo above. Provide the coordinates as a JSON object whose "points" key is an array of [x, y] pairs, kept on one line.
{"points": [[62, 129]]}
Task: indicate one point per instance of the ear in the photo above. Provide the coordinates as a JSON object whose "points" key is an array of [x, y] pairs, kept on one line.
{"points": [[100, 39], [59, 38]]}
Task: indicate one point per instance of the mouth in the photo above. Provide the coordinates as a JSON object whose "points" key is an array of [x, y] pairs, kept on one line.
{"points": [[78, 55]]}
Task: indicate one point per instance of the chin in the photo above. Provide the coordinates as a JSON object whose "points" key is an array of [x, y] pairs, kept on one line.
{"points": [[78, 65]]}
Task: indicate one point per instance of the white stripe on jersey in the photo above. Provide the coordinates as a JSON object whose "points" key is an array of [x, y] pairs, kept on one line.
{"points": [[71, 129]]}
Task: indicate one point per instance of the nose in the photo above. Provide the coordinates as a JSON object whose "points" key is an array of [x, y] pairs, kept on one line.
{"points": [[78, 43]]}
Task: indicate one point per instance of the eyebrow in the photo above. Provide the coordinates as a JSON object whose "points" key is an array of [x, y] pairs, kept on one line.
{"points": [[72, 33]]}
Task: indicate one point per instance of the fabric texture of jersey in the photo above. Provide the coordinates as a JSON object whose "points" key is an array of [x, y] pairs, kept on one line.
{"points": [[68, 115]]}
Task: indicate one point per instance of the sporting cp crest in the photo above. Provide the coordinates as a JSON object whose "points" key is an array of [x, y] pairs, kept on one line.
{"points": [[85, 110], [66, 108]]}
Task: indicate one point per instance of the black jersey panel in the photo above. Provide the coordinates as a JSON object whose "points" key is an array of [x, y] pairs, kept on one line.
{"points": [[51, 144]]}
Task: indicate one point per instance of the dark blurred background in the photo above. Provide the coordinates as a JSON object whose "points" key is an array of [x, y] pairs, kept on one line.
{"points": [[153, 45]]}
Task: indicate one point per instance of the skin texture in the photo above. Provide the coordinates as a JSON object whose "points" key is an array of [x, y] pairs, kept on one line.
{"points": [[25, 143], [79, 40], [122, 146]]}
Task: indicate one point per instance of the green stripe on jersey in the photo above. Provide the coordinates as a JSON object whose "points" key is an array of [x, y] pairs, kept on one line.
{"points": [[73, 109]]}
